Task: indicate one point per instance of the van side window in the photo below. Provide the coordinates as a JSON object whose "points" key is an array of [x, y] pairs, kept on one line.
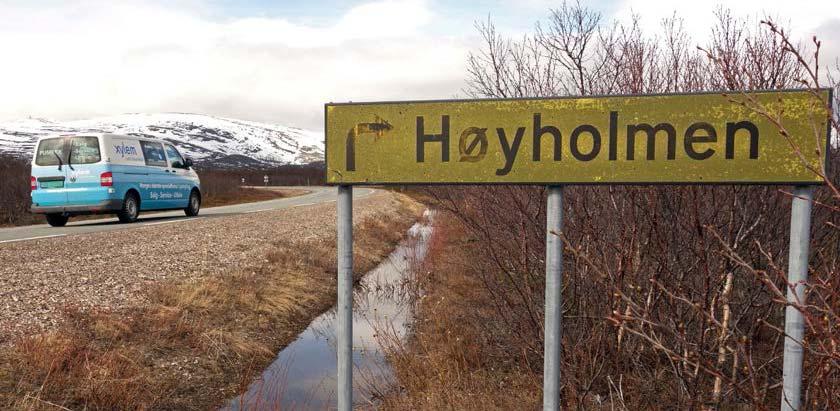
{"points": [[175, 159], [84, 150], [153, 152]]}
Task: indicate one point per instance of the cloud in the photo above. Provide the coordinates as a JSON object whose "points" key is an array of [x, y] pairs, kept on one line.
{"points": [[69, 60], [78, 60]]}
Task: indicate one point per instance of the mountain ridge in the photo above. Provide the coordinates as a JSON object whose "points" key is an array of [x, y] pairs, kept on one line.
{"points": [[211, 141]]}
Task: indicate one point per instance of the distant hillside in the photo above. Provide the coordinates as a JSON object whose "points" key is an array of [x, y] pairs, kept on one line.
{"points": [[210, 141]]}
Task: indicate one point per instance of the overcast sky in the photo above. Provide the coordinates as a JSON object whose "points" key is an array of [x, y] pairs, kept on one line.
{"points": [[278, 61]]}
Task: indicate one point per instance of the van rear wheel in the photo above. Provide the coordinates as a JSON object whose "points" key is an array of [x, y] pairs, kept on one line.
{"points": [[194, 205], [57, 220], [130, 209]]}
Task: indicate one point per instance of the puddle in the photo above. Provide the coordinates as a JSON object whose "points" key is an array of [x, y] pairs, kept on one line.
{"points": [[303, 374]]}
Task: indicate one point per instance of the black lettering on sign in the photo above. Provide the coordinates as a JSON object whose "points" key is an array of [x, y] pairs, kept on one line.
{"points": [[378, 127], [467, 152], [651, 131], [442, 138], [613, 135], [540, 131], [509, 149], [731, 128], [473, 143], [350, 150], [691, 138], [596, 142]]}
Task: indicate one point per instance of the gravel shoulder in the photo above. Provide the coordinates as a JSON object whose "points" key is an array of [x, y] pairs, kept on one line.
{"points": [[112, 269]]}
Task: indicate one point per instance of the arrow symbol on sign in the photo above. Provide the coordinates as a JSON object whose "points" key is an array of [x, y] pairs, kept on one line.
{"points": [[378, 127]]}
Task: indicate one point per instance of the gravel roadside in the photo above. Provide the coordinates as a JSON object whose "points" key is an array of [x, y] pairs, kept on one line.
{"points": [[110, 269]]}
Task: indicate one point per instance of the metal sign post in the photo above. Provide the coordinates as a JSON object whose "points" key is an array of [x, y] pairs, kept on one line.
{"points": [[553, 298], [800, 230], [344, 310]]}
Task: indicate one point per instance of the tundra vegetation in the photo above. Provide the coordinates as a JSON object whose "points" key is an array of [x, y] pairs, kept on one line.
{"points": [[674, 296]]}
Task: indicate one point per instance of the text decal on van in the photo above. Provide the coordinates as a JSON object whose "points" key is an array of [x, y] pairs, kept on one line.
{"points": [[124, 150]]}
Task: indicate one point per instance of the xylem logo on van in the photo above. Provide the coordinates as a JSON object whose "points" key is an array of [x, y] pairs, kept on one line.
{"points": [[126, 150]]}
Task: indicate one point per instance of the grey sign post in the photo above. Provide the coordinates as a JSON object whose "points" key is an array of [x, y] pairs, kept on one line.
{"points": [[344, 310], [553, 300], [800, 230]]}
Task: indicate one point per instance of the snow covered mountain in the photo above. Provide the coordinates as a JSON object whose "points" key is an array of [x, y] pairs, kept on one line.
{"points": [[210, 141]]}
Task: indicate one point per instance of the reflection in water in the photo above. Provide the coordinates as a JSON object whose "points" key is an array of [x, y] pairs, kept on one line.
{"points": [[303, 374]]}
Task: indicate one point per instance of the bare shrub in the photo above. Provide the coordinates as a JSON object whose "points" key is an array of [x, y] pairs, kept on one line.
{"points": [[219, 180], [673, 295], [14, 190]]}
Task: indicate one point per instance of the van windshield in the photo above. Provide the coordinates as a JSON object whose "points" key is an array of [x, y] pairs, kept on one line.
{"points": [[82, 150], [49, 151]]}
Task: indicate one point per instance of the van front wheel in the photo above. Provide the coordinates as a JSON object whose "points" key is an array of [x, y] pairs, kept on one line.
{"points": [[130, 209], [57, 220], [194, 205]]}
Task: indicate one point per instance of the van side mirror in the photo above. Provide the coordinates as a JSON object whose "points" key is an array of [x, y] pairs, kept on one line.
{"points": [[188, 163]]}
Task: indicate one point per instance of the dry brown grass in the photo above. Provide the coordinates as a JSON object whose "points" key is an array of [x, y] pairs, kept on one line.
{"points": [[248, 195], [450, 362], [196, 343]]}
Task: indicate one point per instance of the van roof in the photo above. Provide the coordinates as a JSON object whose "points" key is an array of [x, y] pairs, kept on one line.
{"points": [[109, 135]]}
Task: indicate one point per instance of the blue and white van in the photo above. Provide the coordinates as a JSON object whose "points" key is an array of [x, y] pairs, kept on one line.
{"points": [[110, 174]]}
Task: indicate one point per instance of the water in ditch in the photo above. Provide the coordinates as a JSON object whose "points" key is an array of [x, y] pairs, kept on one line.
{"points": [[303, 374]]}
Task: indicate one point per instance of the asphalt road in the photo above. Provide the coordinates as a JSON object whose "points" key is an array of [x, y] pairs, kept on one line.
{"points": [[33, 232]]}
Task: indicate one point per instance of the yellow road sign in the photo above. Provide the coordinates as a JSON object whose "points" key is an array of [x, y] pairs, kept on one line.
{"points": [[677, 138]]}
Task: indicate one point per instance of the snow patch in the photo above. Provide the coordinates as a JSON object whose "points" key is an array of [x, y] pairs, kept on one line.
{"points": [[207, 139]]}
